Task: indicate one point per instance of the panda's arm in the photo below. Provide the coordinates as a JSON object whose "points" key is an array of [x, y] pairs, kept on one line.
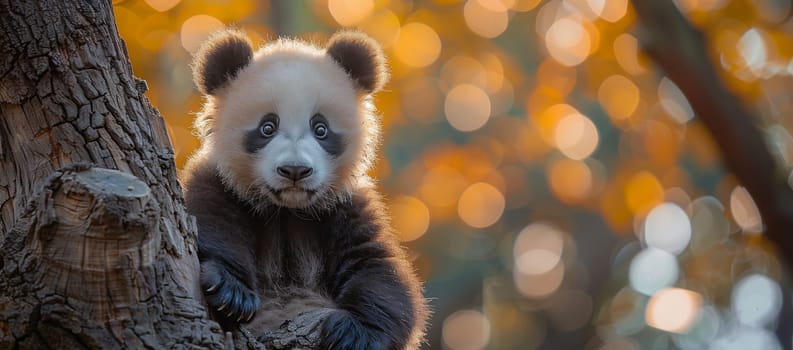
{"points": [[228, 277], [378, 297]]}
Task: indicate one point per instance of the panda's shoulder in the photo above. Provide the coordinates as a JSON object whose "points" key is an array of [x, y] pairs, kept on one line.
{"points": [[364, 212], [204, 189]]}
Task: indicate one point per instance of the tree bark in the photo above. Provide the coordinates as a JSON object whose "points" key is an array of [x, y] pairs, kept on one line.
{"points": [[96, 249]]}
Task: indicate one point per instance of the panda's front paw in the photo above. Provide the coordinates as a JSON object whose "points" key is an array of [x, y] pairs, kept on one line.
{"points": [[230, 300], [341, 331]]}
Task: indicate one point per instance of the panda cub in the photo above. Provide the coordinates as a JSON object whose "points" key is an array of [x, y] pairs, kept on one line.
{"points": [[288, 220]]}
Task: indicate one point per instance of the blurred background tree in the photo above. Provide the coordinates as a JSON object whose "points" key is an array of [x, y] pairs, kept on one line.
{"points": [[555, 188]]}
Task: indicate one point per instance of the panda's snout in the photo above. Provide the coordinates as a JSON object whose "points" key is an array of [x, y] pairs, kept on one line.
{"points": [[294, 172]]}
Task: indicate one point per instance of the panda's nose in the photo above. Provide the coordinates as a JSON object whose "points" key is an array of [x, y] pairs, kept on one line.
{"points": [[294, 172]]}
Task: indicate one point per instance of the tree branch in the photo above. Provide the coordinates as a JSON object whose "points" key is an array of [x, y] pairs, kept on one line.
{"points": [[681, 51]]}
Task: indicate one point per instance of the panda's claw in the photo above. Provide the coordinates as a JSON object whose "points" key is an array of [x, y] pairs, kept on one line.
{"points": [[246, 316], [231, 300]]}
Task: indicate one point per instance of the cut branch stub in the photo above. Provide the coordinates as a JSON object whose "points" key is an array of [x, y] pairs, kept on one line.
{"points": [[86, 268], [94, 229]]}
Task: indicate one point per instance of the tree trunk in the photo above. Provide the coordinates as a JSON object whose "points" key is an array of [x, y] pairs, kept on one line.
{"points": [[681, 50], [96, 249]]}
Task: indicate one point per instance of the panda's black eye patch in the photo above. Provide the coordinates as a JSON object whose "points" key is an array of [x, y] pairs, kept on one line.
{"points": [[330, 141], [257, 138]]}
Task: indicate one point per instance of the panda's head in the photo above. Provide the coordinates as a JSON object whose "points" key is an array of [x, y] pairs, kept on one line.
{"points": [[289, 124]]}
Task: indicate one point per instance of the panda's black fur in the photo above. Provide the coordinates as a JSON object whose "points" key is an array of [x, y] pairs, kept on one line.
{"points": [[262, 263]]}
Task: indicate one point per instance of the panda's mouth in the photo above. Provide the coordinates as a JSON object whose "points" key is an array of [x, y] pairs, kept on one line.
{"points": [[293, 196], [291, 189]]}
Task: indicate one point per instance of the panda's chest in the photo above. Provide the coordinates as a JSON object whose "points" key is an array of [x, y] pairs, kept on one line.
{"points": [[290, 251]]}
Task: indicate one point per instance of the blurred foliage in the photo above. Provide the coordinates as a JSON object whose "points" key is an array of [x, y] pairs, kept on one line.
{"points": [[555, 189]]}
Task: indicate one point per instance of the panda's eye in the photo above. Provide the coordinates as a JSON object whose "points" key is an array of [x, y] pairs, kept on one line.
{"points": [[268, 129], [320, 130]]}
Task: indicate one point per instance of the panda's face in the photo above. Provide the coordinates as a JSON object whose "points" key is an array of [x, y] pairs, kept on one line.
{"points": [[295, 158], [290, 124], [290, 128]]}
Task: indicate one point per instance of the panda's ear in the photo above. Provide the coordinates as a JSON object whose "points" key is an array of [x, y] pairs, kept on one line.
{"points": [[361, 57], [220, 58]]}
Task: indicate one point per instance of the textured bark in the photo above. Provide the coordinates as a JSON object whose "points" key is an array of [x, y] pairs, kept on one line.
{"points": [[92, 257], [82, 269]]}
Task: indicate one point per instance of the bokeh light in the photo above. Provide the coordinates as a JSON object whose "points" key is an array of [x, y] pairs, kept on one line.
{"points": [[350, 12], [480, 205], [442, 186], [709, 223], [536, 261], [756, 300], [570, 180], [642, 192], [548, 120], [495, 80], [704, 329], [196, 29], [674, 102], [410, 217], [418, 45], [609, 10], [538, 249], [745, 211], [486, 18], [667, 227], [162, 5], [626, 51], [467, 107], [556, 77], [539, 286], [463, 69], [384, 26], [568, 42], [752, 48], [576, 136], [673, 309], [652, 270], [619, 96], [466, 329]]}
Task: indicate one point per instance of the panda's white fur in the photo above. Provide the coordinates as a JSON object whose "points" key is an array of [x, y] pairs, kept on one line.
{"points": [[294, 80]]}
